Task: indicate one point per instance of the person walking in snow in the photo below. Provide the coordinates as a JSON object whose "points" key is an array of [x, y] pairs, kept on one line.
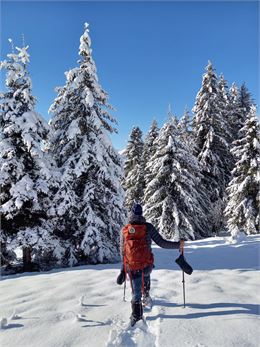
{"points": [[135, 247]]}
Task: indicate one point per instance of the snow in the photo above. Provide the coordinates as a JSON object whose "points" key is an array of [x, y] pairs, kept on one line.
{"points": [[122, 152], [83, 306], [89, 99], [256, 144], [73, 129], [23, 54]]}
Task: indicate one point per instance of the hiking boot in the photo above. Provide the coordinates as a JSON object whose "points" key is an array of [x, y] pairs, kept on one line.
{"points": [[137, 312]]}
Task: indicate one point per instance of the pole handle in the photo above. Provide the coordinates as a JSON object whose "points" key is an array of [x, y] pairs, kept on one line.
{"points": [[182, 249]]}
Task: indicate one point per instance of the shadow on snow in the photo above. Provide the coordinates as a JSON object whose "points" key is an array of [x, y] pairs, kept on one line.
{"points": [[228, 309]]}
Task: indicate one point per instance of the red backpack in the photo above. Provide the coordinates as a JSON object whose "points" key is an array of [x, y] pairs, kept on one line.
{"points": [[137, 253]]}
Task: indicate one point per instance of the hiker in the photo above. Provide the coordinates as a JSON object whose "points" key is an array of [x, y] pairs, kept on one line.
{"points": [[135, 247]]}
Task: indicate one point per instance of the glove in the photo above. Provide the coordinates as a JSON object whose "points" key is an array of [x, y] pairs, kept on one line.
{"points": [[121, 277], [181, 261]]}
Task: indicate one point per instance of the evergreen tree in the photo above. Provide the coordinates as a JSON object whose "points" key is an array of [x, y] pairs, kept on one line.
{"points": [[243, 207], [184, 129], [88, 207], [133, 181], [26, 179], [185, 121], [234, 112], [224, 108], [223, 100], [149, 149], [240, 102], [172, 116], [211, 131], [233, 93], [174, 202], [243, 106], [245, 102]]}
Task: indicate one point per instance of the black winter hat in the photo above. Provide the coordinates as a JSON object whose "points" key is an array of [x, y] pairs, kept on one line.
{"points": [[137, 209], [181, 261]]}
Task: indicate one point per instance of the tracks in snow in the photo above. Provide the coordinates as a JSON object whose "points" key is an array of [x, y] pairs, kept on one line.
{"points": [[143, 334]]}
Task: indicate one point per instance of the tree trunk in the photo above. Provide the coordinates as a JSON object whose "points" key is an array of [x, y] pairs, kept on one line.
{"points": [[27, 259]]}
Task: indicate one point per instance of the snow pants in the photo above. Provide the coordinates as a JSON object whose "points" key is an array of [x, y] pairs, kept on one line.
{"points": [[139, 279]]}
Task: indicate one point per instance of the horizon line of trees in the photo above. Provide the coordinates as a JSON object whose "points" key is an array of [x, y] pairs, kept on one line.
{"points": [[198, 176]]}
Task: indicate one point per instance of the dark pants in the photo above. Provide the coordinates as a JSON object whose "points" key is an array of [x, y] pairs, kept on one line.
{"points": [[137, 282]]}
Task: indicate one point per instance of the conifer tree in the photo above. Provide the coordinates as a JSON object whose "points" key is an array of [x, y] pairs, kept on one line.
{"points": [[239, 104], [150, 138], [243, 207], [174, 203], [233, 93], [26, 178], [211, 131], [224, 108], [184, 129], [242, 105], [223, 100], [185, 121], [149, 150], [172, 116], [133, 181], [245, 102], [88, 207], [234, 112]]}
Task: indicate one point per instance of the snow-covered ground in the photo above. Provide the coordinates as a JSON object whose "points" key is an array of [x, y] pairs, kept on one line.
{"points": [[83, 306]]}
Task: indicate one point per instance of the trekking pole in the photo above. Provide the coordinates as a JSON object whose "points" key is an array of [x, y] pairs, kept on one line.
{"points": [[183, 287], [183, 281], [124, 290]]}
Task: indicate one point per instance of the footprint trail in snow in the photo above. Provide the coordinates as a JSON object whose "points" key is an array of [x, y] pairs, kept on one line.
{"points": [[123, 335], [145, 334]]}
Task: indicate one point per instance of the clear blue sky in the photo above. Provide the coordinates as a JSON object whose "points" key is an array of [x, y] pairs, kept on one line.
{"points": [[148, 54]]}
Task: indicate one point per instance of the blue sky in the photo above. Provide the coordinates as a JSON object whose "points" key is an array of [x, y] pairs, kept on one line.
{"points": [[148, 54]]}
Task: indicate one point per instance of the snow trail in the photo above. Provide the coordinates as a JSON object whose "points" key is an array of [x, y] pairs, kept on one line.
{"points": [[123, 335]]}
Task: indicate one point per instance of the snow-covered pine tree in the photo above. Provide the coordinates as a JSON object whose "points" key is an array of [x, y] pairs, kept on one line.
{"points": [[211, 131], [172, 116], [223, 103], [243, 106], [233, 93], [240, 102], [26, 178], [174, 201], [88, 208], [243, 207], [245, 102], [185, 121], [234, 112], [184, 129], [223, 100], [133, 181], [149, 150]]}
